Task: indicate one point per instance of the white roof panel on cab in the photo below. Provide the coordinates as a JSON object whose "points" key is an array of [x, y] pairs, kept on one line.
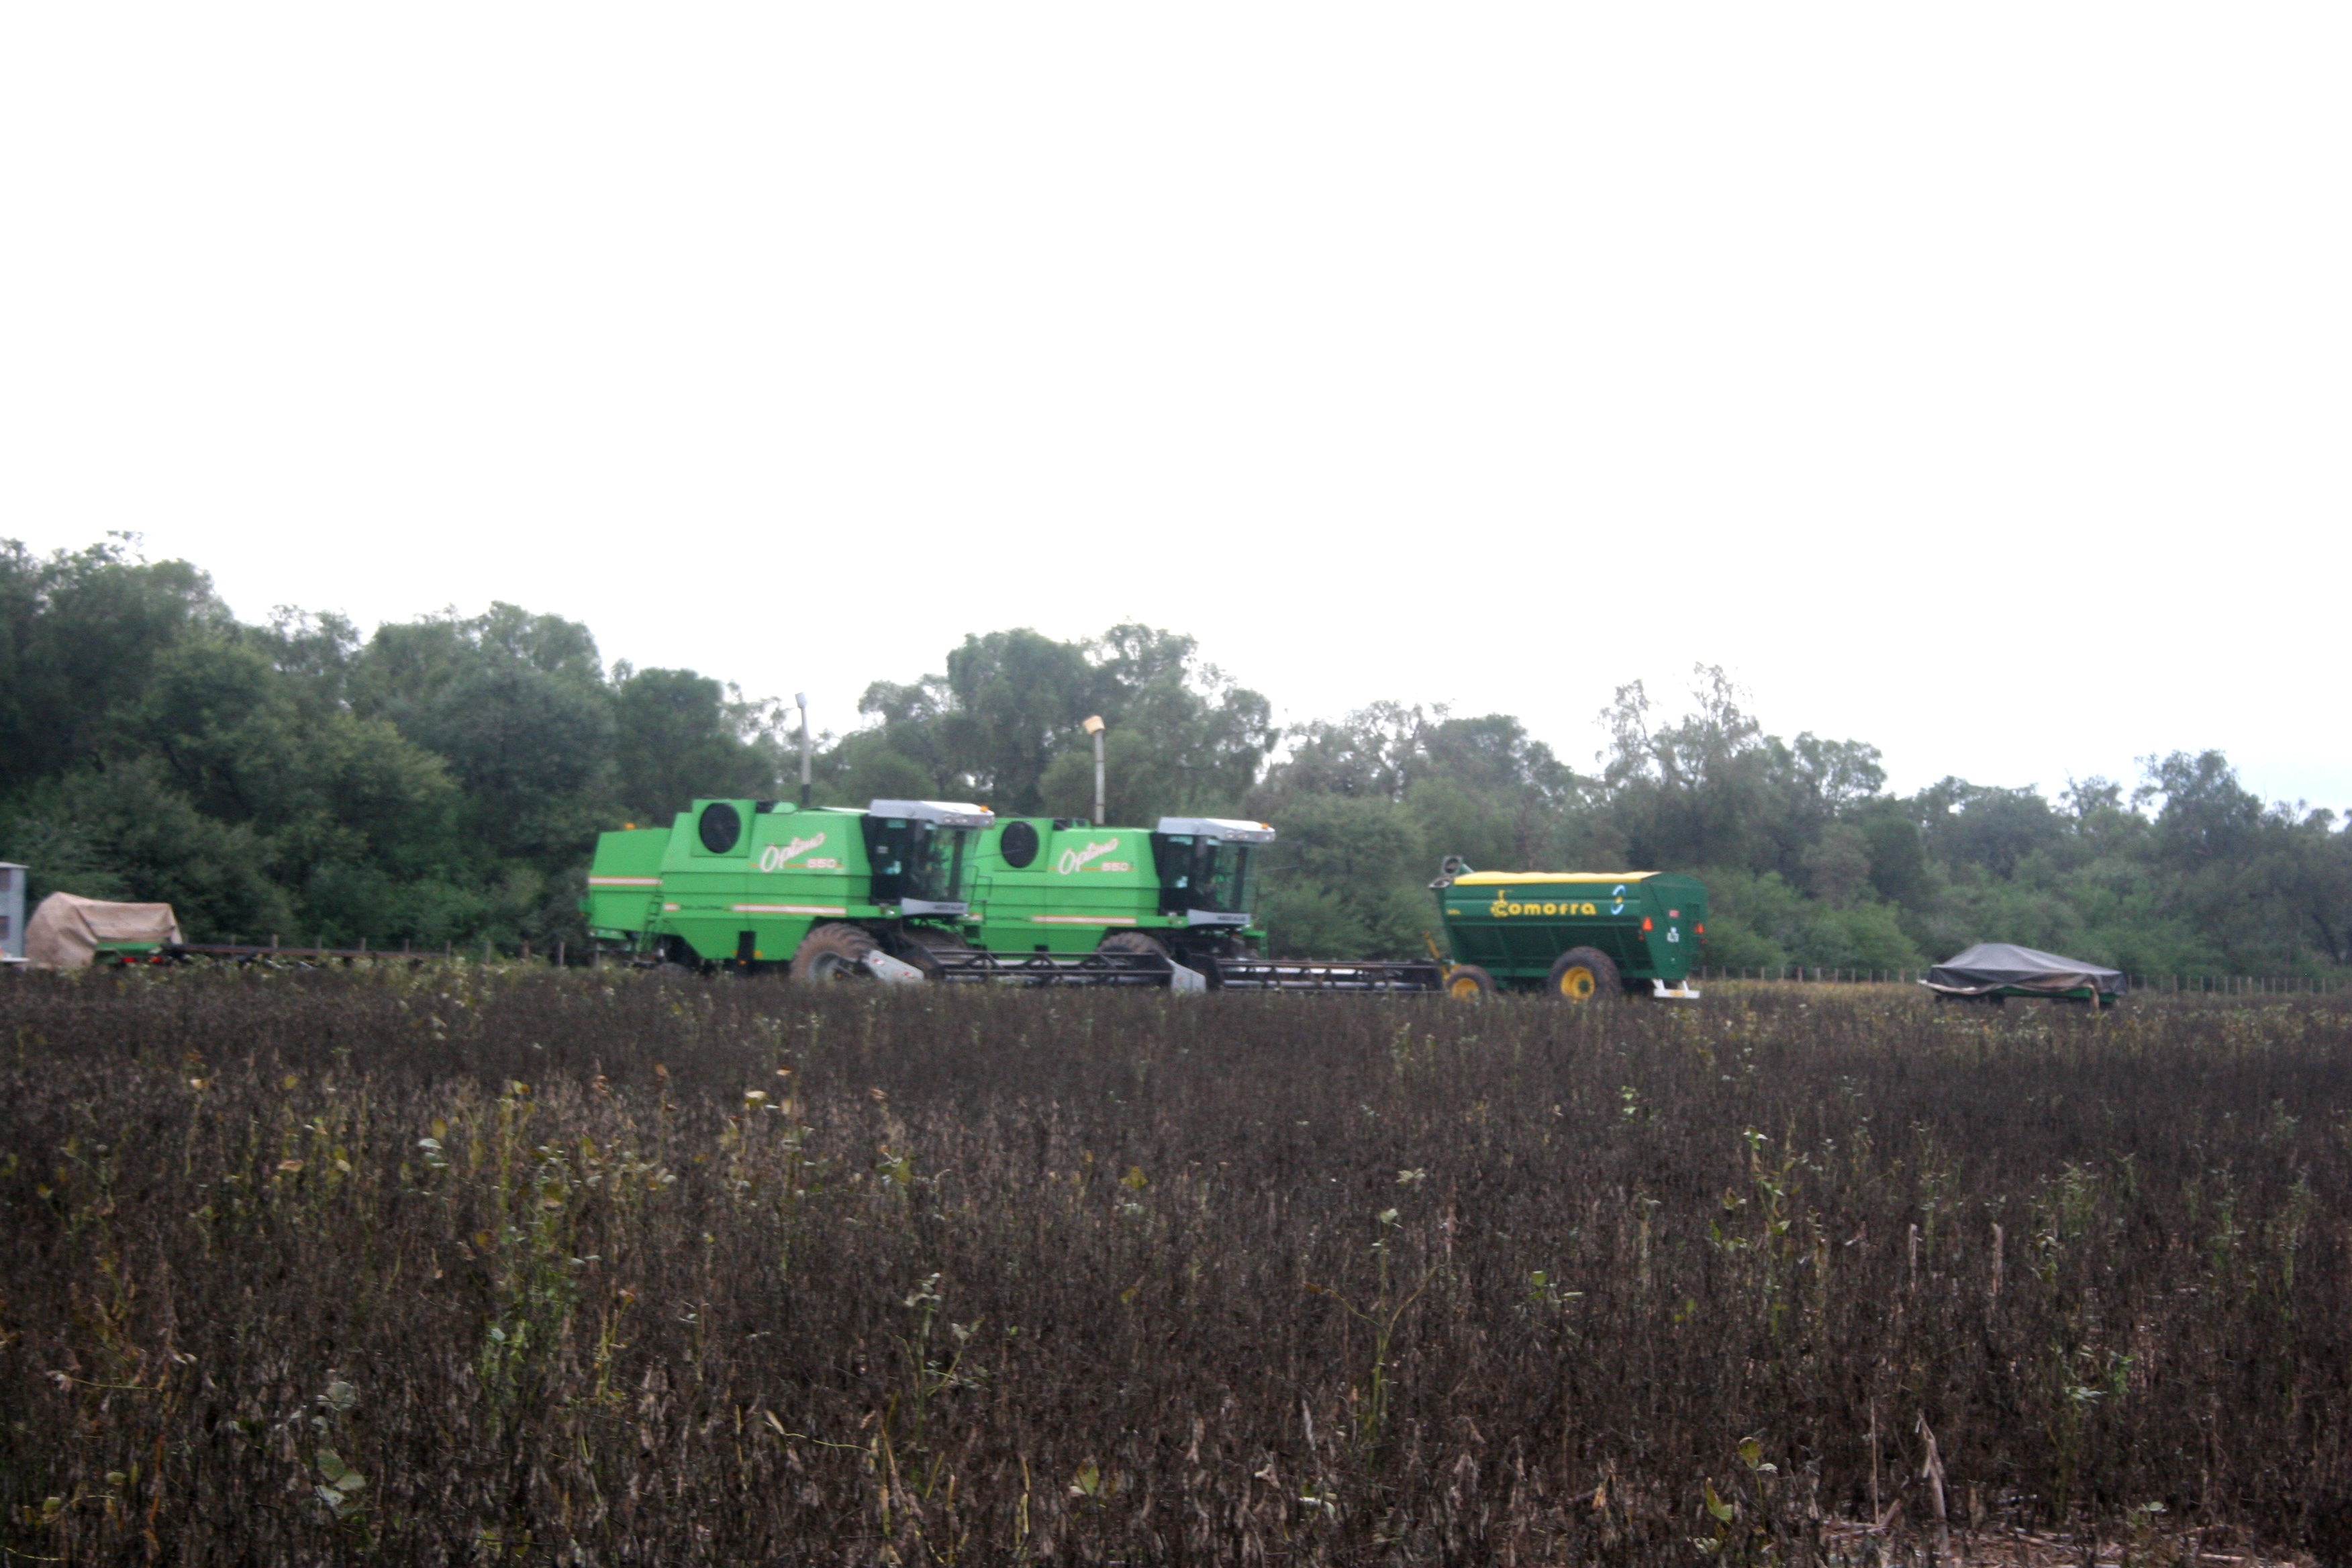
{"points": [[1230, 830], [946, 813]]}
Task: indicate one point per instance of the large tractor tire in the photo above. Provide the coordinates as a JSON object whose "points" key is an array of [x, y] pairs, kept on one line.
{"points": [[1227, 946], [938, 941], [1585, 974], [1132, 941], [833, 952], [918, 944], [1468, 982]]}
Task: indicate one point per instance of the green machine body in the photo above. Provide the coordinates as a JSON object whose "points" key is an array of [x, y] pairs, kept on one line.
{"points": [[1061, 885], [1579, 933]]}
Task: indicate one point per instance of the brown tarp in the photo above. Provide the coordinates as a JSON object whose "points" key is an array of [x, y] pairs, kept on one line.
{"points": [[1991, 967], [65, 932]]}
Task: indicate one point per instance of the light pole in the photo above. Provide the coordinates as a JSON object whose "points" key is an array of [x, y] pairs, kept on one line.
{"points": [[802, 697], [1094, 726]]}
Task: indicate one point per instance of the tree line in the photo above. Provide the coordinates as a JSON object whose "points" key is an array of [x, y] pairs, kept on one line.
{"points": [[443, 780]]}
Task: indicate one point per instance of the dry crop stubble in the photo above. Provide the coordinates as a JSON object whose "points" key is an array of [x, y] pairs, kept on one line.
{"points": [[453, 1266]]}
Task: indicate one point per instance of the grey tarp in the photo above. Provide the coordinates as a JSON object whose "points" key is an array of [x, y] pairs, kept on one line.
{"points": [[1992, 966], [65, 932]]}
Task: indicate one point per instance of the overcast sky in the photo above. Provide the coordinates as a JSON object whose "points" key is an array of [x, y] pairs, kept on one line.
{"points": [[1972, 381]]}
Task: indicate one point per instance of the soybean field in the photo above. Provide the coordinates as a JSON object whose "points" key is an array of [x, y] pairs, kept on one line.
{"points": [[464, 1264]]}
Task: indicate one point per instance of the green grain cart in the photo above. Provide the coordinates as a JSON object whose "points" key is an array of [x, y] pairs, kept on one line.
{"points": [[1580, 935]]}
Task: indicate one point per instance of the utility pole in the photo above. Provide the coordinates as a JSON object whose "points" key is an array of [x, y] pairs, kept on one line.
{"points": [[802, 697], [1094, 726]]}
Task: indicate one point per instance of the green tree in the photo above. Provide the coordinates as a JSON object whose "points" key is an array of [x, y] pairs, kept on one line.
{"points": [[516, 705], [1002, 726], [1352, 866], [81, 632], [145, 839], [679, 736], [1697, 792]]}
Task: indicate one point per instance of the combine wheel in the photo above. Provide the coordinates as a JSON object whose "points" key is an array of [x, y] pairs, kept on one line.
{"points": [[917, 944], [1132, 941], [1469, 983], [938, 941], [1189, 962], [1585, 974], [832, 952]]}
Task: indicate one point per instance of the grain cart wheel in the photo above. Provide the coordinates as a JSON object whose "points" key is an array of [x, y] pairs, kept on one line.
{"points": [[1132, 941], [831, 952], [1468, 982], [1585, 974]]}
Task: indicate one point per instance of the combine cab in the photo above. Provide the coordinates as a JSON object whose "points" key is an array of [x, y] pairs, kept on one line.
{"points": [[1582, 936]]}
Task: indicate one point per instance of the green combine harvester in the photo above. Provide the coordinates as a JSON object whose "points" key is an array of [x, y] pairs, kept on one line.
{"points": [[911, 889], [1060, 885], [1583, 936]]}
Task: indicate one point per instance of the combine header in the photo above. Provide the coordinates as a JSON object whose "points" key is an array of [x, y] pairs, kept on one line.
{"points": [[1317, 974]]}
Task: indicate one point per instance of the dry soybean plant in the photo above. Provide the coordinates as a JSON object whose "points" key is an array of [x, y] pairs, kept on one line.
{"points": [[459, 1267]]}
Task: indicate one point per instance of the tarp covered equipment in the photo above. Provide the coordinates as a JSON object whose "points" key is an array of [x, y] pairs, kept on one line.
{"points": [[64, 933], [1993, 966]]}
